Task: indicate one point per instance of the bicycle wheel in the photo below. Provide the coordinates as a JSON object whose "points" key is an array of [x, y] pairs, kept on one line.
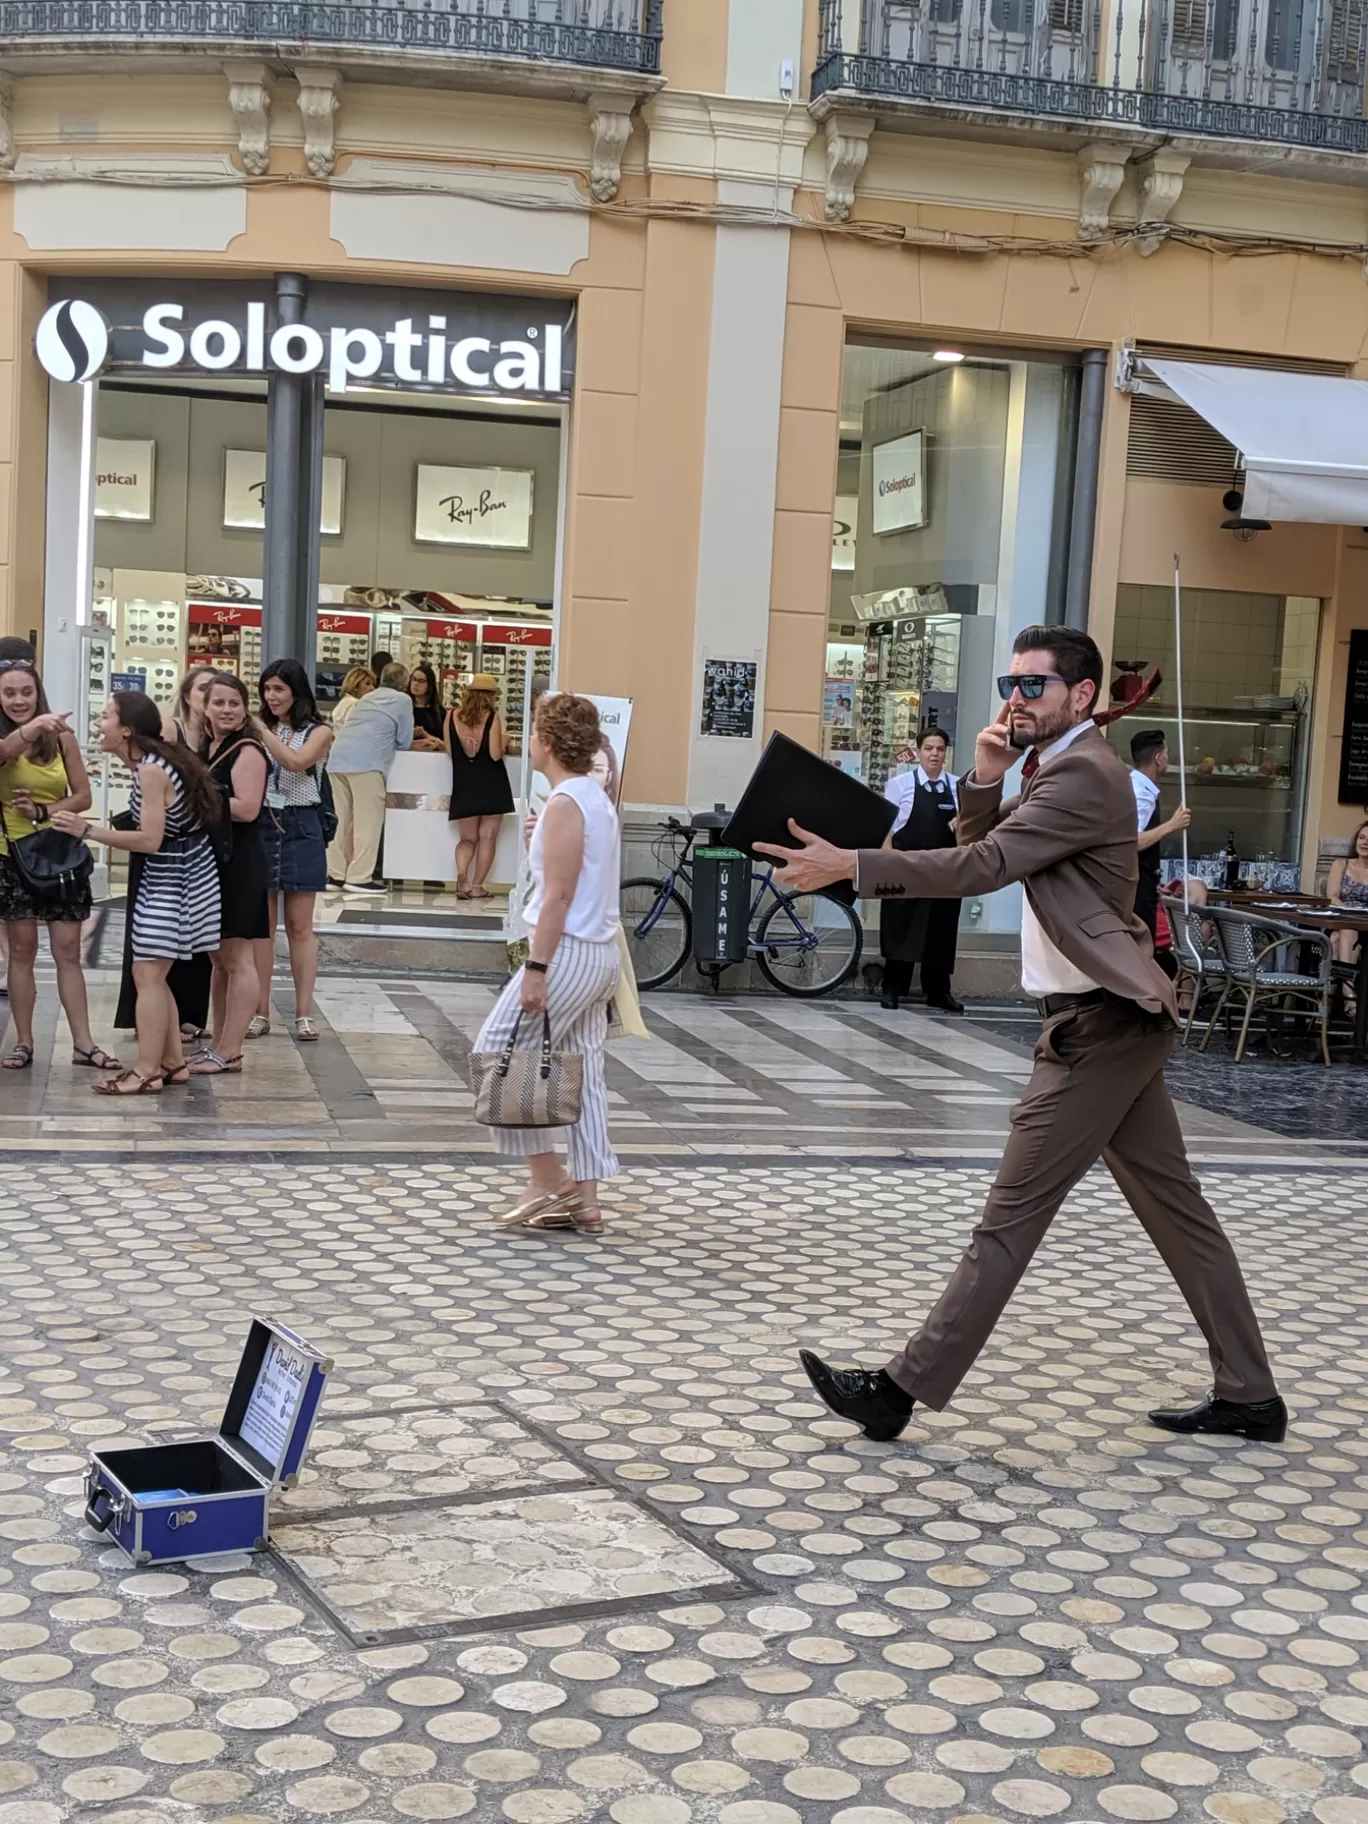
{"points": [[659, 929], [808, 945]]}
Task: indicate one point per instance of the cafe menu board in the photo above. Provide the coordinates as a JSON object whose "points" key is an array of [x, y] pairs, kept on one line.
{"points": [[1353, 779]]}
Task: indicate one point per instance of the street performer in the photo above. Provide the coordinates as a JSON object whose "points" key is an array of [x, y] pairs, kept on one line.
{"points": [[1098, 1087]]}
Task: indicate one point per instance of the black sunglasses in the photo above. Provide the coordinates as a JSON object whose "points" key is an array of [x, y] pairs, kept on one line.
{"points": [[1031, 684]]}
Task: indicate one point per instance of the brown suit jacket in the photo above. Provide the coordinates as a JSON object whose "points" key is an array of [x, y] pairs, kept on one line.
{"points": [[1070, 840]]}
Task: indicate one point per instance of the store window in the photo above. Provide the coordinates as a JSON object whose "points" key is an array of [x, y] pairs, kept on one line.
{"points": [[1249, 664], [950, 535]]}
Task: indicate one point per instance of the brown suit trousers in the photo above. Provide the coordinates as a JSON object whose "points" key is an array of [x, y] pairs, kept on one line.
{"points": [[1097, 1091]]}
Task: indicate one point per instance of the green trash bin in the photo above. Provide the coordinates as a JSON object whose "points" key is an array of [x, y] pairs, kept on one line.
{"points": [[721, 908]]}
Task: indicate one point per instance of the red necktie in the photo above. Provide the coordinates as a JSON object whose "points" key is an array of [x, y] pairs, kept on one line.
{"points": [[1030, 766]]}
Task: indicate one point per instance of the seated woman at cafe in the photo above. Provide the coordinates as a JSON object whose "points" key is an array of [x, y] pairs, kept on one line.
{"points": [[1348, 887]]}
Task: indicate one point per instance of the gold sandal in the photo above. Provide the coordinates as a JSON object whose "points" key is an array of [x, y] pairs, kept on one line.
{"points": [[549, 1210]]}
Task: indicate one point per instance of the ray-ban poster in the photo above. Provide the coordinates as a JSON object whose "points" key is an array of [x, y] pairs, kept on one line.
{"points": [[244, 492]]}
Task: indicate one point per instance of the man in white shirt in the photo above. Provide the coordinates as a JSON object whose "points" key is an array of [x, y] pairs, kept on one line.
{"points": [[913, 931], [1098, 1087], [1149, 763]]}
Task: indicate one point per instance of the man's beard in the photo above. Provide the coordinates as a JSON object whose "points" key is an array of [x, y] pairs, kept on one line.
{"points": [[1044, 730]]}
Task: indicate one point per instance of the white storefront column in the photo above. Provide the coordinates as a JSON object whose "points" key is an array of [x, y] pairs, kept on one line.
{"points": [[740, 462], [70, 547]]}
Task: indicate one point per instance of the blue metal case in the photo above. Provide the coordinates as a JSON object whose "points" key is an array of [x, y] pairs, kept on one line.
{"points": [[188, 1499]]}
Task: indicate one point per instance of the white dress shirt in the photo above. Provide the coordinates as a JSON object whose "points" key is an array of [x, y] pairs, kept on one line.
{"points": [[1146, 797], [902, 790], [1044, 968]]}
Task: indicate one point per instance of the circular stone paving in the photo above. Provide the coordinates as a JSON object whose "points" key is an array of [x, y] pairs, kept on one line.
{"points": [[1031, 1606]]}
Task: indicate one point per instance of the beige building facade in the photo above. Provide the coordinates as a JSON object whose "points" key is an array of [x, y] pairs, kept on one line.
{"points": [[792, 250]]}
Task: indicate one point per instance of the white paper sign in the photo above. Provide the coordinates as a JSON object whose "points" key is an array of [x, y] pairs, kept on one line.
{"points": [[474, 507], [270, 1415], [899, 494], [123, 477], [244, 491], [843, 532]]}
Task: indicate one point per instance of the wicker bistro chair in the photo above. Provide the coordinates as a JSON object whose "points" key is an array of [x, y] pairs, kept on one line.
{"points": [[1201, 968], [1254, 951]]}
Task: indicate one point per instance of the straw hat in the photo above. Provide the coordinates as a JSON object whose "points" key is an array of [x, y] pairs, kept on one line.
{"points": [[484, 680]]}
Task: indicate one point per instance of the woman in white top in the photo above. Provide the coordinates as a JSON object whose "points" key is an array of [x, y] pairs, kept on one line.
{"points": [[572, 966]]}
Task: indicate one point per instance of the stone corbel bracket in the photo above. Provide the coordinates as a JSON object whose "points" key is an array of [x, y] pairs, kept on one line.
{"points": [[7, 153], [1161, 184], [1100, 171], [320, 97], [249, 96], [847, 144], [610, 122]]}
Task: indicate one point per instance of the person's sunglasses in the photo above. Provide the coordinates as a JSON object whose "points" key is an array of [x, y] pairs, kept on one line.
{"points": [[19, 665], [1031, 684]]}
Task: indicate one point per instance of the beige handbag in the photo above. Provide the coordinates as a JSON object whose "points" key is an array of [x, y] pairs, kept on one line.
{"points": [[540, 1088]]}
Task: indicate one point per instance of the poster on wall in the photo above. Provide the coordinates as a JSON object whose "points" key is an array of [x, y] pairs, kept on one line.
{"points": [[490, 507], [728, 709], [843, 532], [838, 702], [244, 492], [1353, 779], [899, 493], [124, 477]]}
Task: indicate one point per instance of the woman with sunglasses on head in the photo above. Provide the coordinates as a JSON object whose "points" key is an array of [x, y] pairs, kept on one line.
{"points": [[237, 763], [46, 777], [174, 804], [296, 741]]}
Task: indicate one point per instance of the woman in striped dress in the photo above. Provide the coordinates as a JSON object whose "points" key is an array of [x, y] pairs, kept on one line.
{"points": [[174, 804]]}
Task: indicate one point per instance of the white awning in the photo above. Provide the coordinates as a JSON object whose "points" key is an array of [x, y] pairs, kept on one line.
{"points": [[1304, 437]]}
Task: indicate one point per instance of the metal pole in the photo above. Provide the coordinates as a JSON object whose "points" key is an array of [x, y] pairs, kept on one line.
{"points": [[309, 514], [1182, 739], [280, 552], [1083, 520]]}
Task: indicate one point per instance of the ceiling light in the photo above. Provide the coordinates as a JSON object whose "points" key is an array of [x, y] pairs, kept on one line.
{"points": [[947, 354]]}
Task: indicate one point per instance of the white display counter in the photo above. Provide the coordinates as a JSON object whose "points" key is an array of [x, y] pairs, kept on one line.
{"points": [[420, 839]]}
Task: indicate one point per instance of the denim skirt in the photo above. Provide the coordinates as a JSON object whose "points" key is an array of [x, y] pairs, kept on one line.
{"points": [[296, 854]]}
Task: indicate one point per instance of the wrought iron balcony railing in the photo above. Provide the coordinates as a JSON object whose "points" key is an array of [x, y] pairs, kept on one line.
{"points": [[602, 34], [1289, 72]]}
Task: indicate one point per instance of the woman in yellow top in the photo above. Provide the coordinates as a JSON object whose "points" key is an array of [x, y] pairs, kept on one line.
{"points": [[46, 774]]}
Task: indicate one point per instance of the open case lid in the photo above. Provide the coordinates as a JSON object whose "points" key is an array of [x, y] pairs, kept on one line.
{"points": [[275, 1397]]}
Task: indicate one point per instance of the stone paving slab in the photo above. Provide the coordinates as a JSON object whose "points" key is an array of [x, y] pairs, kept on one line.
{"points": [[1033, 1605]]}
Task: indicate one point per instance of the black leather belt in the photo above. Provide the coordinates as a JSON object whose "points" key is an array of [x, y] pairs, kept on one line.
{"points": [[1050, 1004]]}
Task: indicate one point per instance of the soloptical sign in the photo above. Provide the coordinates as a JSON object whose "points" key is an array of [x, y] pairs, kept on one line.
{"points": [[351, 336]]}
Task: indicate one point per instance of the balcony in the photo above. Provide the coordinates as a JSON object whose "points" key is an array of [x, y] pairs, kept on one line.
{"points": [[1282, 72], [521, 38]]}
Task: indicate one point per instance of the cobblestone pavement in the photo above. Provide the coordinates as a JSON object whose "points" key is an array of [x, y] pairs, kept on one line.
{"points": [[743, 1078], [575, 1542]]}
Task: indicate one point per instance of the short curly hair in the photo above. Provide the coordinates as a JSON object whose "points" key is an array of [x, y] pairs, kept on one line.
{"points": [[569, 725]]}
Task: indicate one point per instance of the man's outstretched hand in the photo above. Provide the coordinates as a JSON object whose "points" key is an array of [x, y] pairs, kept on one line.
{"points": [[816, 864]]}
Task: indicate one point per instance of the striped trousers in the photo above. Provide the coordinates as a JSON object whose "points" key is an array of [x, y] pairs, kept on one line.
{"points": [[579, 988]]}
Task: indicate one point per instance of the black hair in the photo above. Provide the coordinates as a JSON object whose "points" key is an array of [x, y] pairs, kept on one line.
{"points": [[1146, 745], [378, 662], [143, 720], [1077, 656], [12, 647], [925, 734], [433, 699], [303, 710], [46, 747]]}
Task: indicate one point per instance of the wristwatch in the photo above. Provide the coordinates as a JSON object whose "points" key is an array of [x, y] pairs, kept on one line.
{"points": [[536, 968]]}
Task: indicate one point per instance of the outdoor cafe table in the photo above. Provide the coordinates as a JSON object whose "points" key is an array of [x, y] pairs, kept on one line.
{"points": [[1298, 909]]}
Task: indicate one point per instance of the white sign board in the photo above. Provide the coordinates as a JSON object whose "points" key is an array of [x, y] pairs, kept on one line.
{"points": [[123, 477], [244, 491], [474, 507], [899, 491], [274, 1403], [843, 532]]}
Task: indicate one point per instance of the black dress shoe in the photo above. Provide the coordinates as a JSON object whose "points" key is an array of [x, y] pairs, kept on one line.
{"points": [[890, 1001], [948, 1005], [867, 1396], [1261, 1421]]}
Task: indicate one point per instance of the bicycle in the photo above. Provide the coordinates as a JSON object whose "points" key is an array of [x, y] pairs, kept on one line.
{"points": [[804, 944]]}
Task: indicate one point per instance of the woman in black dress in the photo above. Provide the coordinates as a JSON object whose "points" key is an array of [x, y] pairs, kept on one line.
{"points": [[481, 796], [427, 710], [237, 762]]}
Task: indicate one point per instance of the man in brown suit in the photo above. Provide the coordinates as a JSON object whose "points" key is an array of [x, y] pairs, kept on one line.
{"points": [[1097, 1090]]}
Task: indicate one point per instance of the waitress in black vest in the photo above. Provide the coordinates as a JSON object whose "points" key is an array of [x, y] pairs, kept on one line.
{"points": [[922, 931], [1149, 763]]}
